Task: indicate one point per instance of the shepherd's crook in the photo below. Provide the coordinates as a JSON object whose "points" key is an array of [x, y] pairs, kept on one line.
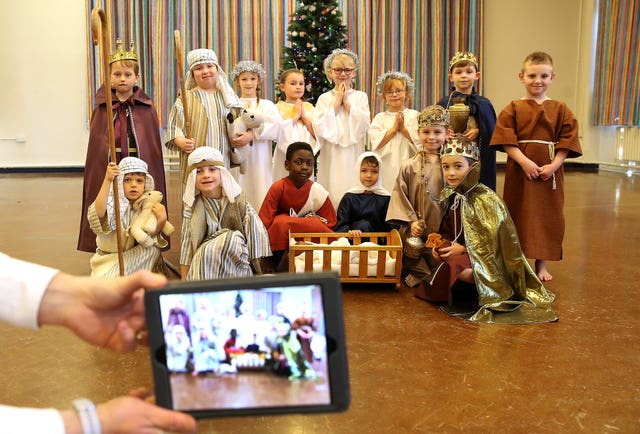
{"points": [[183, 92], [102, 36]]}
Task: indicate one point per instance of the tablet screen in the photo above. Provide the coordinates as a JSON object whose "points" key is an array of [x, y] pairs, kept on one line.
{"points": [[246, 348]]}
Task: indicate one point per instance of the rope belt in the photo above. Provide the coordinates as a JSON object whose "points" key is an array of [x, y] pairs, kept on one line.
{"points": [[552, 147]]}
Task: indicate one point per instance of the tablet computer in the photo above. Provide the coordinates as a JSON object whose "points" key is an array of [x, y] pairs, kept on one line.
{"points": [[247, 346]]}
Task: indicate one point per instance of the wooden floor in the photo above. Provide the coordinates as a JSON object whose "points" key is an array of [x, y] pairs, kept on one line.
{"points": [[412, 368]]}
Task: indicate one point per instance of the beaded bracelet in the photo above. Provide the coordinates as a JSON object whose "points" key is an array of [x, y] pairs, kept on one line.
{"points": [[88, 416]]}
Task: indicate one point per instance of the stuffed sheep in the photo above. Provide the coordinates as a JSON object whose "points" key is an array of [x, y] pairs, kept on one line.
{"points": [[244, 120], [145, 221]]}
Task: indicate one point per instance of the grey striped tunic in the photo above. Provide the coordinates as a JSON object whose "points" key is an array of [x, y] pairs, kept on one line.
{"points": [[104, 263], [208, 125], [219, 238]]}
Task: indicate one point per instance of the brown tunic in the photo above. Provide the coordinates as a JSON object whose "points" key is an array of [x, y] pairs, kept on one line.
{"points": [[535, 206], [415, 197]]}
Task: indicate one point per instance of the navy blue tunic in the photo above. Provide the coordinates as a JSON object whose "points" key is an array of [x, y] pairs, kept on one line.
{"points": [[482, 109]]}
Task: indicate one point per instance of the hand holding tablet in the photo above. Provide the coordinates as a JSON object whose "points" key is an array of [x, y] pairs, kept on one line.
{"points": [[249, 346]]}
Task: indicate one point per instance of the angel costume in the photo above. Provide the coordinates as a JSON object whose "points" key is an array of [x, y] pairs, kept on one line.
{"points": [[398, 149], [508, 290], [208, 112], [289, 133], [536, 207], [220, 237], [259, 177], [105, 263], [288, 208], [342, 138]]}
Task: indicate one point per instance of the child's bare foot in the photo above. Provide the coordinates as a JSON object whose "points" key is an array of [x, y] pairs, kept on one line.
{"points": [[541, 270]]}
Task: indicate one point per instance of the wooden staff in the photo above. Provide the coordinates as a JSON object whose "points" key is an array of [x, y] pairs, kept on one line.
{"points": [[179, 54], [100, 30]]}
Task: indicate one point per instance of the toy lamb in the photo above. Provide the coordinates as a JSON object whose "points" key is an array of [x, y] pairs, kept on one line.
{"points": [[145, 221], [245, 120]]}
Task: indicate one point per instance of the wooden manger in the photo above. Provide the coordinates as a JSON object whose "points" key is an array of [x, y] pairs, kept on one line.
{"points": [[355, 263]]}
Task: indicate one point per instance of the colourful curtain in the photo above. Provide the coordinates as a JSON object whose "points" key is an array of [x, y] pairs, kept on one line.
{"points": [[413, 36], [616, 99]]}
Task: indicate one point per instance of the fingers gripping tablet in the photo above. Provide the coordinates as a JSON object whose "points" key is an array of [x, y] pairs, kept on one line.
{"points": [[258, 345]]}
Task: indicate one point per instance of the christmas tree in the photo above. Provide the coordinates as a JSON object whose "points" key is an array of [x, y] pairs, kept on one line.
{"points": [[314, 31]]}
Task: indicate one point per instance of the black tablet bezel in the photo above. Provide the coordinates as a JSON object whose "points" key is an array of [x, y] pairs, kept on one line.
{"points": [[334, 321]]}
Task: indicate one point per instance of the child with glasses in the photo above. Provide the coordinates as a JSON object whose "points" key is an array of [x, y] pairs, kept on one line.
{"points": [[393, 133], [340, 120]]}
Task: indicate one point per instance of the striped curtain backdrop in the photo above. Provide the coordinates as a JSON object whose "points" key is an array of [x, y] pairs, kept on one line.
{"points": [[616, 99], [413, 36]]}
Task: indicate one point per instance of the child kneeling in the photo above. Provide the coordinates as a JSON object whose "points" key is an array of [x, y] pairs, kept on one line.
{"points": [[222, 235], [487, 276], [295, 204], [133, 181]]}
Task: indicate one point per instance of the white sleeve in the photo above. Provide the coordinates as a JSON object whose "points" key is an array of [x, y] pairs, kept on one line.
{"points": [[30, 420], [377, 131], [411, 122], [298, 132], [342, 129], [271, 126], [23, 284], [359, 118]]}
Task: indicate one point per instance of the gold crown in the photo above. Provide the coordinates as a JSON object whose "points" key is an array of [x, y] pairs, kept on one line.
{"points": [[120, 54], [461, 56], [434, 115], [462, 147]]}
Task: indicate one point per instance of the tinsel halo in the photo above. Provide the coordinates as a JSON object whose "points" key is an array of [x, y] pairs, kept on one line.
{"points": [[338, 51], [408, 81], [247, 66]]}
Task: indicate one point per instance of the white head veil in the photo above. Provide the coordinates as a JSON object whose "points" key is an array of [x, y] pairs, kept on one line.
{"points": [[206, 156], [127, 165], [376, 188]]}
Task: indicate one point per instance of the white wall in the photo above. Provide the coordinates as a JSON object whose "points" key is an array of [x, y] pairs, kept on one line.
{"points": [[564, 29], [43, 77], [43, 83]]}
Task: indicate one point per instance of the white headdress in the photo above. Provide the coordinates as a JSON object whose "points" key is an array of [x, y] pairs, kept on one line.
{"points": [[337, 52], [204, 55], [408, 81], [247, 66], [127, 165], [206, 156], [376, 188]]}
